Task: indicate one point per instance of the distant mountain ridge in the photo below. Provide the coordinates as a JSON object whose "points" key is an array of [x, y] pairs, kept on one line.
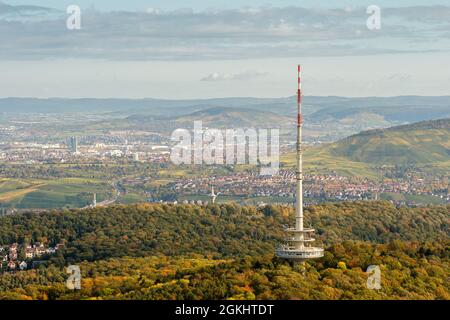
{"points": [[216, 117], [326, 118], [431, 124], [237, 117], [315, 107]]}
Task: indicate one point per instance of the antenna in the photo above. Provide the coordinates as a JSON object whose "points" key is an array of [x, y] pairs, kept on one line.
{"points": [[213, 195], [297, 244]]}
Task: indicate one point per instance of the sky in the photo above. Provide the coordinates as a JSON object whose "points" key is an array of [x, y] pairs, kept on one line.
{"points": [[210, 49], [134, 5]]}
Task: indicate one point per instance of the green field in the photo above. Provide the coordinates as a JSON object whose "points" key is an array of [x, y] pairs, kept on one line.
{"points": [[318, 161], [54, 193], [238, 199], [417, 199], [131, 198]]}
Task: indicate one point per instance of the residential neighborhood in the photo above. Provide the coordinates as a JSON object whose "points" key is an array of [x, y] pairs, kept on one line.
{"points": [[317, 188], [19, 257]]}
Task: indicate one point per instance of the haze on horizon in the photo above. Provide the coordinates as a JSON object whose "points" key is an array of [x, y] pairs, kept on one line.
{"points": [[203, 49]]}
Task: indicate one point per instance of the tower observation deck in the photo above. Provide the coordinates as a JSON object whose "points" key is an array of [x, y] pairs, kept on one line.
{"points": [[297, 245]]}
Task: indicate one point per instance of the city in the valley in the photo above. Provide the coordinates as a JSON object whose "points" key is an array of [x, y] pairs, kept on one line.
{"points": [[86, 159]]}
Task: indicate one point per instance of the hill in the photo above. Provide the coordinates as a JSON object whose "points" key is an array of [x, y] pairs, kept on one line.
{"points": [[222, 231], [219, 117], [424, 145], [403, 109], [409, 271], [326, 118], [212, 117], [226, 252], [424, 142]]}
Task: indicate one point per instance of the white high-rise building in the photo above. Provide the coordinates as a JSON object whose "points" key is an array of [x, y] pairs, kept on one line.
{"points": [[73, 144]]}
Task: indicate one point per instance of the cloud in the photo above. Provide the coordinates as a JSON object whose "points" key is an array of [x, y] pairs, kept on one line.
{"points": [[243, 76], [28, 13], [400, 77], [33, 33], [154, 11]]}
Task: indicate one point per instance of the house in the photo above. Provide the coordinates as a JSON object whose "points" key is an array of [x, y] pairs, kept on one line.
{"points": [[29, 253], [11, 265], [13, 248], [39, 251], [13, 255], [51, 250], [38, 245], [23, 265]]}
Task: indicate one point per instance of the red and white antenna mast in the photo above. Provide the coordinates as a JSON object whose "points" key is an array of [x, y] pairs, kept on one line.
{"points": [[299, 95]]}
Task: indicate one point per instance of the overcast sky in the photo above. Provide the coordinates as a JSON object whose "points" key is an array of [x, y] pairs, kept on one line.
{"points": [[135, 5], [203, 49]]}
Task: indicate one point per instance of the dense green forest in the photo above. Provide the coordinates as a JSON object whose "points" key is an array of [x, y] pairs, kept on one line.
{"points": [[151, 251], [409, 271]]}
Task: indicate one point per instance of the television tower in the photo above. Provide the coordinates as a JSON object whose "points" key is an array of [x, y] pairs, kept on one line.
{"points": [[297, 246], [213, 195]]}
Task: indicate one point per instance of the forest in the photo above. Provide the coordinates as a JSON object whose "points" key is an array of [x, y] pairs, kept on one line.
{"points": [[157, 251]]}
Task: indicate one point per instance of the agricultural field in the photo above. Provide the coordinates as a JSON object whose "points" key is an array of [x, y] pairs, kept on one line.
{"points": [[418, 199], [318, 161], [52, 193]]}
